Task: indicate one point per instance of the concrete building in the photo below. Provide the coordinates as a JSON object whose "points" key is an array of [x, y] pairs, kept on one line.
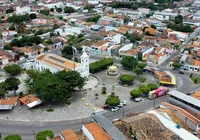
{"points": [[22, 10]]}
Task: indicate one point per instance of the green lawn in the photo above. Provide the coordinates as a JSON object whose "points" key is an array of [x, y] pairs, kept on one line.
{"points": [[196, 80]]}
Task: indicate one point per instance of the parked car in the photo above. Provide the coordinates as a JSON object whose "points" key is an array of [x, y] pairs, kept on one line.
{"points": [[120, 105], [123, 103], [180, 72], [114, 109], [138, 99], [105, 107]]}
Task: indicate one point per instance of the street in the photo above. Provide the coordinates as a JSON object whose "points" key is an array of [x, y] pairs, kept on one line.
{"points": [[28, 129]]}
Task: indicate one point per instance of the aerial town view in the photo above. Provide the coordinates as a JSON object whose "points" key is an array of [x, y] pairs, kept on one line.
{"points": [[99, 69]]}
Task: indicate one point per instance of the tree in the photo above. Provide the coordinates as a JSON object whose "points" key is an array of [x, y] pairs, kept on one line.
{"points": [[3, 89], [176, 46], [113, 100], [9, 10], [135, 93], [67, 51], [100, 65], [145, 89], [152, 86], [42, 135], [93, 19], [51, 88], [97, 95], [73, 78], [58, 10], [153, 26], [46, 49], [178, 19], [29, 81], [103, 90], [89, 7], [13, 69], [142, 79], [52, 9], [129, 62], [176, 65], [138, 71], [49, 41], [55, 26], [126, 78], [69, 9], [13, 137], [44, 12], [126, 19], [142, 65], [33, 16], [13, 84], [12, 27]]}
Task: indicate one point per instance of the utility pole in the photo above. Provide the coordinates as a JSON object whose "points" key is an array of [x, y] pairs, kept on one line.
{"points": [[123, 111], [74, 49], [33, 131], [154, 102]]}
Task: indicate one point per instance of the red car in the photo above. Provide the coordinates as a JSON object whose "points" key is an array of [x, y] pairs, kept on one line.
{"points": [[105, 107]]}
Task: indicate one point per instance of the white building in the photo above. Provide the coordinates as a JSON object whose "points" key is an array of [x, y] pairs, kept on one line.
{"points": [[57, 63], [196, 16], [66, 30], [22, 10], [180, 35]]}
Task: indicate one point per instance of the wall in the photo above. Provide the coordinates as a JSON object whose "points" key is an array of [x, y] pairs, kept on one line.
{"points": [[188, 122], [41, 66], [87, 133]]}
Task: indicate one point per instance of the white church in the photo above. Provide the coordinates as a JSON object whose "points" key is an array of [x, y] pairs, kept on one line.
{"points": [[57, 63]]}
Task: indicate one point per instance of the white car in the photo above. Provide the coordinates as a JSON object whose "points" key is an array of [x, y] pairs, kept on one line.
{"points": [[123, 103], [114, 109], [138, 99], [120, 105]]}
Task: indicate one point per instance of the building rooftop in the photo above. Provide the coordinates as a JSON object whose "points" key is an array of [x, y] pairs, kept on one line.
{"points": [[8, 103], [30, 100], [57, 61], [185, 97], [69, 135], [97, 132], [109, 127], [196, 94]]}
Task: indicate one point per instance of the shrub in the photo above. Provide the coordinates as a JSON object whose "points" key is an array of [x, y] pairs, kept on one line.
{"points": [[135, 93], [50, 109], [113, 100], [104, 90], [13, 137], [142, 79], [43, 134], [145, 89], [68, 102], [126, 79], [100, 65], [152, 86], [13, 69]]}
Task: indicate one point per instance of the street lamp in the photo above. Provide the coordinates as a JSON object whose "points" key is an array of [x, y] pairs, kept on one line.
{"points": [[33, 131], [74, 49]]}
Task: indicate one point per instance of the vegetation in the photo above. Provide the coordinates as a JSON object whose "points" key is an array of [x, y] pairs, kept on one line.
{"points": [[138, 71], [196, 80], [89, 7], [100, 65], [9, 10], [13, 69], [17, 19], [59, 10], [67, 51], [73, 78], [142, 79], [69, 9], [68, 102], [126, 79], [44, 12], [13, 84], [50, 109], [93, 19], [133, 37], [3, 89], [13, 137], [33, 16], [152, 86], [145, 89], [26, 41], [129, 62], [142, 65], [113, 100], [135, 93], [103, 90], [49, 41], [176, 65], [42, 135]]}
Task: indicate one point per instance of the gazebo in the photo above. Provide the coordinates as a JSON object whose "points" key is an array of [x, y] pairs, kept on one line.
{"points": [[112, 70]]}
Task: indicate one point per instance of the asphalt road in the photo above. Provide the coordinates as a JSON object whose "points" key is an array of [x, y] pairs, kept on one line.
{"points": [[28, 129]]}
